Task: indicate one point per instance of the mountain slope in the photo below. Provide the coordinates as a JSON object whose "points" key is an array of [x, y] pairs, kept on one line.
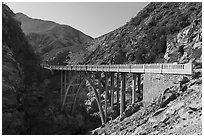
{"points": [[50, 39], [19, 63], [181, 116], [30, 103], [178, 110], [144, 38]]}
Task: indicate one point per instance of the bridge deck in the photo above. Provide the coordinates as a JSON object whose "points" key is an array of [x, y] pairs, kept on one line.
{"points": [[165, 68]]}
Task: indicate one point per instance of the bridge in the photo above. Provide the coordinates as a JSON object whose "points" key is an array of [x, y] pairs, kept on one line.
{"points": [[111, 79]]}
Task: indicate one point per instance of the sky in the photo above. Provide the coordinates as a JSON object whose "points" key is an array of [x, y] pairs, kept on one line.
{"points": [[91, 18]]}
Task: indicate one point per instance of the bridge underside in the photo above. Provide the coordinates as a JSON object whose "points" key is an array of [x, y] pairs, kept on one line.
{"points": [[111, 84]]}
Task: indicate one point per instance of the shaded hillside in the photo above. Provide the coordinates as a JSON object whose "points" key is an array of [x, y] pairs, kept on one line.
{"points": [[20, 71], [30, 95], [143, 39], [50, 39], [14, 42]]}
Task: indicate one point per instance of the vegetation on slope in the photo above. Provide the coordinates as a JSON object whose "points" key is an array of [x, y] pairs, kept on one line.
{"points": [[30, 94], [178, 109], [143, 39]]}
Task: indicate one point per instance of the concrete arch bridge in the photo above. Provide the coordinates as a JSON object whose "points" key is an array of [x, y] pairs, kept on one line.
{"points": [[110, 80]]}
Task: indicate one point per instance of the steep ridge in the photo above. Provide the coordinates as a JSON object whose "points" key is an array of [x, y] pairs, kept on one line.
{"points": [[144, 38], [50, 39], [30, 94], [18, 63], [178, 110]]}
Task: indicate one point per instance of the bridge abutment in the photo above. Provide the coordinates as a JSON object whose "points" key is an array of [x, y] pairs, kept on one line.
{"points": [[155, 84]]}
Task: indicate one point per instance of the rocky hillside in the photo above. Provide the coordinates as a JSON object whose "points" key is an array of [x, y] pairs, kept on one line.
{"points": [[19, 63], [161, 32], [53, 42], [186, 45], [144, 38], [30, 95], [178, 110]]}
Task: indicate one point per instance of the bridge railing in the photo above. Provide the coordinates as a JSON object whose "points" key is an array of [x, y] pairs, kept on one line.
{"points": [[166, 68]]}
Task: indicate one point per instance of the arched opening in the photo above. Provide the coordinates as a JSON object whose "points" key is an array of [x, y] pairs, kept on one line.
{"points": [[85, 77]]}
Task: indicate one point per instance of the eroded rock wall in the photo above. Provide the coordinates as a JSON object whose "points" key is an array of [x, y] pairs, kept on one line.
{"points": [[187, 44]]}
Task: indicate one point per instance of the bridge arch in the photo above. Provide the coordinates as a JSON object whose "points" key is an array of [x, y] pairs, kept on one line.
{"points": [[84, 77], [120, 85]]}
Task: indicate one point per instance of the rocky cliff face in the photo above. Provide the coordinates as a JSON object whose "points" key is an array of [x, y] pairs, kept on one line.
{"points": [[50, 39], [144, 38], [187, 44]]}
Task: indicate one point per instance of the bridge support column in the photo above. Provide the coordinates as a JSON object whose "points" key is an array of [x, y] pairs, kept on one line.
{"points": [[61, 86], [112, 90], [133, 88], [106, 96], [65, 80], [118, 87], [139, 87], [68, 76], [122, 96], [99, 100]]}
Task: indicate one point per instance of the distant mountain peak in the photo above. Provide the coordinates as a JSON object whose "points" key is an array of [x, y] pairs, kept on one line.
{"points": [[31, 25], [50, 39]]}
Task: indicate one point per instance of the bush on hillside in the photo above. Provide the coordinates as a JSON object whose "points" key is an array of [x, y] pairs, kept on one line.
{"points": [[166, 19]]}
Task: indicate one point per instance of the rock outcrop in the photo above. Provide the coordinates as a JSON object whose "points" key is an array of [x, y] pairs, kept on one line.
{"points": [[187, 44]]}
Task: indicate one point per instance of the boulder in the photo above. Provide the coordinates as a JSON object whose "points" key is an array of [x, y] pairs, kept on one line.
{"points": [[167, 97], [183, 88], [197, 45], [196, 75], [195, 106], [165, 118], [183, 80], [132, 109]]}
